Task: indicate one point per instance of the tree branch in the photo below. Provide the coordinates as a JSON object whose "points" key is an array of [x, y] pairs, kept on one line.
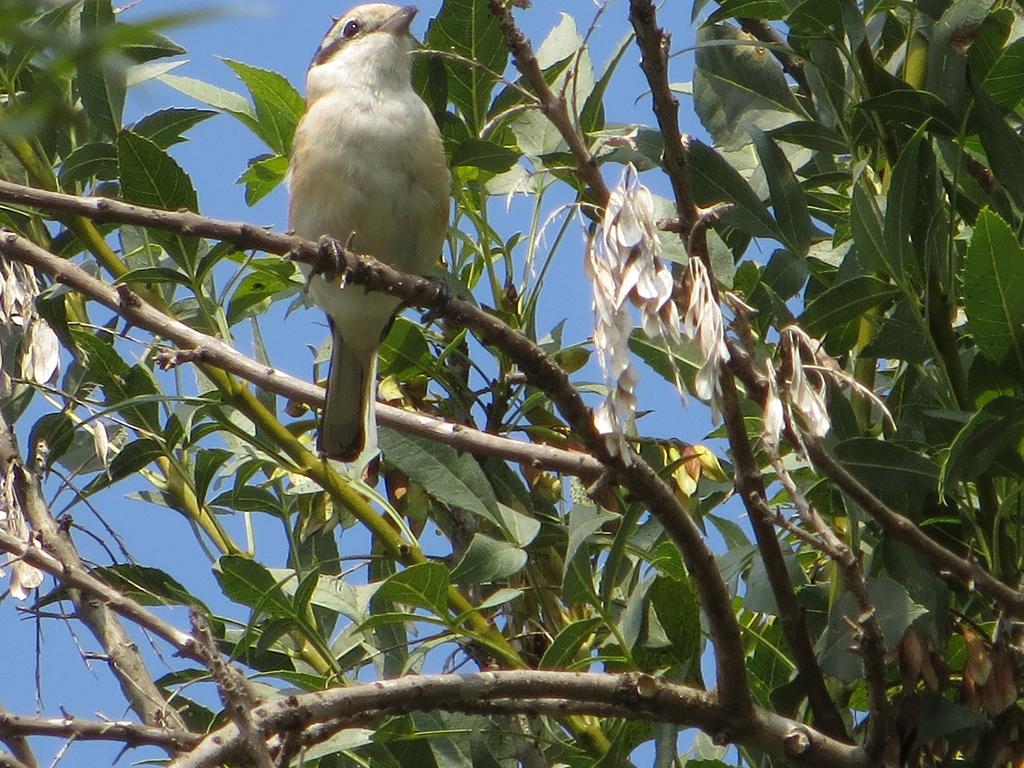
{"points": [[554, 107], [69, 727], [199, 347], [125, 660], [693, 224], [536, 365], [75, 576], [792, 64], [654, 48], [903, 529], [633, 695]]}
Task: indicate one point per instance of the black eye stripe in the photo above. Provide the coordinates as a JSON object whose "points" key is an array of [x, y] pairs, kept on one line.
{"points": [[331, 44]]}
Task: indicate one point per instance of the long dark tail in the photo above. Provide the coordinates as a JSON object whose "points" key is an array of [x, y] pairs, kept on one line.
{"points": [[349, 426]]}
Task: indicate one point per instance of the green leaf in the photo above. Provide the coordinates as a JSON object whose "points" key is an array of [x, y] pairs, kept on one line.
{"points": [[441, 472], [424, 586], [788, 201], [868, 235], [989, 40], [715, 181], [102, 81], [166, 127], [754, 9], [592, 114], [151, 177], [148, 586], [87, 162], [262, 177], [468, 29], [843, 302], [997, 427], [901, 337], [895, 611], [234, 104], [248, 582], [675, 604], [887, 467], [1003, 145], [477, 153], [993, 284], [278, 105], [1004, 82], [154, 276], [899, 209], [487, 560], [813, 135], [563, 649], [147, 45], [913, 108], [947, 63], [404, 353], [737, 86]]}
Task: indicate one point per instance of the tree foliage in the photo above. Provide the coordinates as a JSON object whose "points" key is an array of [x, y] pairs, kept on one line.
{"points": [[835, 271]]}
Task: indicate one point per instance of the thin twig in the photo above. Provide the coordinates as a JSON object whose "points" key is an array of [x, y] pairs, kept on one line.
{"points": [[69, 727], [126, 662], [903, 529], [792, 64], [554, 106], [871, 640], [236, 694]]}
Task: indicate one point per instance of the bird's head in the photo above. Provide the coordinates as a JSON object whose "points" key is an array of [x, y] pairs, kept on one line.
{"points": [[367, 47]]}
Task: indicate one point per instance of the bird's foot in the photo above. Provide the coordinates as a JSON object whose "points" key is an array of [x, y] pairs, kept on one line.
{"points": [[331, 264], [440, 301]]}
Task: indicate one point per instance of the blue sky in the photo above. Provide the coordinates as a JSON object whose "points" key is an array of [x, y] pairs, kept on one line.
{"points": [[282, 36]]}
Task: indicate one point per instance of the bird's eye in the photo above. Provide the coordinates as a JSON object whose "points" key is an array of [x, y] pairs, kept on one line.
{"points": [[351, 28]]}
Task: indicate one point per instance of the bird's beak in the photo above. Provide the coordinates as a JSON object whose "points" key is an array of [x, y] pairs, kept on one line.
{"points": [[400, 21]]}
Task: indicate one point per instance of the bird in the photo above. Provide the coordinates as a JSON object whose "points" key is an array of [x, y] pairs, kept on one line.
{"points": [[368, 169]]}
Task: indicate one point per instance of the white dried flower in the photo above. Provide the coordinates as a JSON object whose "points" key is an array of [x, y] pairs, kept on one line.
{"points": [[624, 267], [703, 324], [40, 351], [774, 413], [806, 391], [24, 577]]}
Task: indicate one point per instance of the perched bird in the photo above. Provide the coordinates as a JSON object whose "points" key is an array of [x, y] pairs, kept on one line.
{"points": [[368, 169]]}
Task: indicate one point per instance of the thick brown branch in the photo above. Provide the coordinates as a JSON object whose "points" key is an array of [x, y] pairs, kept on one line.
{"points": [[552, 105], [871, 640], [16, 742], [537, 366], [630, 695], [751, 489], [903, 529], [126, 662]]}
